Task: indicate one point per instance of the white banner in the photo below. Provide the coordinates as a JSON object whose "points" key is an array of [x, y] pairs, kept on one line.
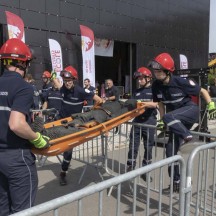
{"points": [[87, 40], [15, 26], [104, 47], [56, 57], [183, 62]]}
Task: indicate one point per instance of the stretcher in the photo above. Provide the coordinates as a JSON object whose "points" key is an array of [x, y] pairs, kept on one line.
{"points": [[89, 131]]}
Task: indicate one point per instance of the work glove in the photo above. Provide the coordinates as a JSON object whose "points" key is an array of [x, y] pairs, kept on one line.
{"points": [[53, 75], [211, 110], [160, 125], [41, 142]]}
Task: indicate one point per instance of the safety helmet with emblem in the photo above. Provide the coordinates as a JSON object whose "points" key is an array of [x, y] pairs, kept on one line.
{"points": [[14, 51], [69, 73], [142, 72], [163, 62], [46, 74]]}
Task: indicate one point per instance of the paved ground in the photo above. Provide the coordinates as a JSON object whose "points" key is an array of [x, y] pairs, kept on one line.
{"points": [[49, 187]]}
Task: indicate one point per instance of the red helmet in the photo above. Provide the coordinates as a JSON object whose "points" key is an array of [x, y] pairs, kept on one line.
{"points": [[69, 72], [46, 74], [15, 49], [142, 72], [163, 62]]}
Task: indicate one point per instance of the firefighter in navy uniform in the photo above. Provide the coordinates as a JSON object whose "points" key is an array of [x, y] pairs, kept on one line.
{"points": [[37, 100], [175, 93], [46, 76], [47, 84], [53, 99], [144, 94], [73, 99], [18, 174]]}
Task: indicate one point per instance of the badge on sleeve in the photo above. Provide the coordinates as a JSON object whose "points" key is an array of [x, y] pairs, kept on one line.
{"points": [[87, 91], [192, 82]]}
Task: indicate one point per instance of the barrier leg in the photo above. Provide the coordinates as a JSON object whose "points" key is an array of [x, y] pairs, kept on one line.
{"points": [[59, 159], [96, 167], [41, 160], [83, 172]]}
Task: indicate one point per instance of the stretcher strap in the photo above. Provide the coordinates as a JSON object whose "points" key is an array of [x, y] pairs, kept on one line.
{"points": [[105, 110], [105, 128]]}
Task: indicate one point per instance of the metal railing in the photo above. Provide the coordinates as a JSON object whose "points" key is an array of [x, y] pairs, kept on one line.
{"points": [[117, 181], [110, 153]]}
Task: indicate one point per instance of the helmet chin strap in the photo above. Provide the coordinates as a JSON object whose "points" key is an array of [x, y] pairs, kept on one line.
{"points": [[165, 78], [21, 66], [146, 82], [25, 72], [22, 69], [47, 81]]}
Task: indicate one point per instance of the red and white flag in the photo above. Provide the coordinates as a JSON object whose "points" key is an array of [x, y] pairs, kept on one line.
{"points": [[56, 57], [15, 26], [88, 53], [183, 62]]}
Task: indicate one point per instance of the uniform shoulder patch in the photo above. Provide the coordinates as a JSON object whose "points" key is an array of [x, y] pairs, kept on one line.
{"points": [[87, 91], [192, 82]]}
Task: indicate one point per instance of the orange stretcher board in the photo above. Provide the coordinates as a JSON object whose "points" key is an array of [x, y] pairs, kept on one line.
{"points": [[90, 131]]}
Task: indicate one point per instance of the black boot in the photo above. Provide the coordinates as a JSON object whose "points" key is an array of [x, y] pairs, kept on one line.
{"points": [[145, 175], [62, 179], [130, 168], [131, 165], [176, 186]]}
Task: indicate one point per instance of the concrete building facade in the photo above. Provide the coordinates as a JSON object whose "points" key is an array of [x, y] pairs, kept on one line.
{"points": [[141, 29]]}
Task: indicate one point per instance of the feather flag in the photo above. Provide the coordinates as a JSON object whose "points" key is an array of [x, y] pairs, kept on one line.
{"points": [[15, 26], [88, 53]]}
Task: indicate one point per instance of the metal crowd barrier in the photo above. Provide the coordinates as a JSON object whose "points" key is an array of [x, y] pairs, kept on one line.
{"points": [[109, 152], [201, 180], [146, 198]]}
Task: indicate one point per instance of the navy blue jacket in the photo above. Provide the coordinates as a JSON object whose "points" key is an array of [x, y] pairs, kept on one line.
{"points": [[73, 100], [17, 95], [54, 98], [145, 94], [177, 93]]}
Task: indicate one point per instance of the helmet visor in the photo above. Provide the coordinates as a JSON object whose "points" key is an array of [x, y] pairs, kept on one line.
{"points": [[44, 77], [66, 74], [155, 65], [139, 75]]}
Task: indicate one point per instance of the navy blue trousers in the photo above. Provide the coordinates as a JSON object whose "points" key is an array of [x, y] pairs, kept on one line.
{"points": [[179, 122], [66, 159], [147, 134], [18, 180]]}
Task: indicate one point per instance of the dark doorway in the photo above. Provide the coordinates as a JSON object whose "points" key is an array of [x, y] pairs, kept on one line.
{"points": [[118, 66]]}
